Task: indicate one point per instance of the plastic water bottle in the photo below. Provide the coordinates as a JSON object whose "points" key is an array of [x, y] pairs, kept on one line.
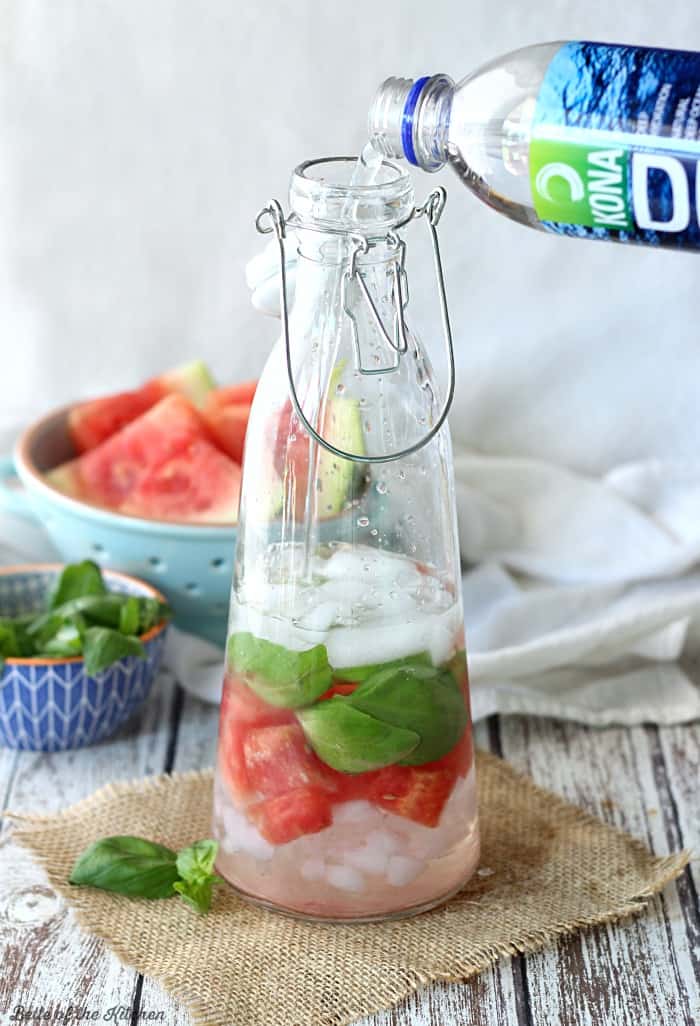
{"points": [[593, 140]]}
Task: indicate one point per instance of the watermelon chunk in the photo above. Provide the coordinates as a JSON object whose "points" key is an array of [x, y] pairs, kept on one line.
{"points": [[282, 819], [162, 466], [278, 760], [92, 422], [241, 709], [418, 793]]}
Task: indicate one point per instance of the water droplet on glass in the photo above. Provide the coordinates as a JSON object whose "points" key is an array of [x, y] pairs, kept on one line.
{"points": [[374, 532], [382, 488], [340, 388], [402, 475], [292, 438], [363, 521]]}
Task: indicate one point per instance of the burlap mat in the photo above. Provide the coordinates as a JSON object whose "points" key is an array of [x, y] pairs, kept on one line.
{"points": [[547, 869]]}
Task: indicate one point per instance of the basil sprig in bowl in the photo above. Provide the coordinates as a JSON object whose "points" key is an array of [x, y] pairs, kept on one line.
{"points": [[79, 650]]}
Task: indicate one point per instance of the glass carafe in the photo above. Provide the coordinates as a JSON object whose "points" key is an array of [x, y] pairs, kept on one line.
{"points": [[345, 786]]}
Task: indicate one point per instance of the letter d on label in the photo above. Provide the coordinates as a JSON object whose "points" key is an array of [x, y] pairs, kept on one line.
{"points": [[642, 163]]}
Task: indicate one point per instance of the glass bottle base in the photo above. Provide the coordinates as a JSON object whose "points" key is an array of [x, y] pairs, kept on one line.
{"points": [[362, 917]]}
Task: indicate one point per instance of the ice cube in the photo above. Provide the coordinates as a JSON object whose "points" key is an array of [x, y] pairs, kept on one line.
{"points": [[382, 840], [319, 617], [346, 591], [313, 869], [375, 644], [364, 563], [240, 835], [402, 869], [439, 638], [345, 878], [352, 812], [368, 859]]}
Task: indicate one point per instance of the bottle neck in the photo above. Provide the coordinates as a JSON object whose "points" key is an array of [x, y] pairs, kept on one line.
{"points": [[410, 118], [324, 294]]}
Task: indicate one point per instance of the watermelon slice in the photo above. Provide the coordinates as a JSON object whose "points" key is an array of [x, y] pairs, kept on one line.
{"points": [[228, 425], [200, 485], [162, 466], [337, 479], [226, 412], [232, 395], [92, 422]]}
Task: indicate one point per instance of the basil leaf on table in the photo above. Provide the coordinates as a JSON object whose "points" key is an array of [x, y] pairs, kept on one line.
{"points": [[197, 861], [103, 646], [139, 868], [361, 673], [279, 675], [197, 878], [350, 741], [128, 865], [76, 581], [416, 698]]}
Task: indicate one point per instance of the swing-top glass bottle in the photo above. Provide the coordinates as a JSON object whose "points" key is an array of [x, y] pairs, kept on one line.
{"points": [[345, 785]]}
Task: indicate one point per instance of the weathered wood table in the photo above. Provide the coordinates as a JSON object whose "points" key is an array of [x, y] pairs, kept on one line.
{"points": [[642, 973]]}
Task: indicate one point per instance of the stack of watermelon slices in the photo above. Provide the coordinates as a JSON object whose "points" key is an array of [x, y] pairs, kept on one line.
{"points": [[170, 450]]}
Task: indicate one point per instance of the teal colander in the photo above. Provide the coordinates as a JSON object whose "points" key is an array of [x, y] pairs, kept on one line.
{"points": [[190, 564]]}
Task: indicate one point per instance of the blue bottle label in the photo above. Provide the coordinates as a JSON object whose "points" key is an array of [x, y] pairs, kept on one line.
{"points": [[615, 147]]}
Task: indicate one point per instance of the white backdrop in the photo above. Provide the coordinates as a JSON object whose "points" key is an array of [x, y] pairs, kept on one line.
{"points": [[138, 140]]}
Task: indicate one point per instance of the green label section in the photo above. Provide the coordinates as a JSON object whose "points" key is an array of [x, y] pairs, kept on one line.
{"points": [[577, 183]]}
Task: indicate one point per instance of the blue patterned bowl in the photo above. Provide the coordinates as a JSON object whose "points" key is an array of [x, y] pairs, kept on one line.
{"points": [[50, 705]]}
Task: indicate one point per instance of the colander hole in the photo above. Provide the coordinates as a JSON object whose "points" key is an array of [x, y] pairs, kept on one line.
{"points": [[99, 550], [192, 588], [218, 564], [158, 564]]}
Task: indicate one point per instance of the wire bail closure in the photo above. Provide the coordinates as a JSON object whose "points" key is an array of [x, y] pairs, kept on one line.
{"points": [[432, 211]]}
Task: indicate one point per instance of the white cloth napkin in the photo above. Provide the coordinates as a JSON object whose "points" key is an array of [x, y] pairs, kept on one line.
{"points": [[595, 630]]}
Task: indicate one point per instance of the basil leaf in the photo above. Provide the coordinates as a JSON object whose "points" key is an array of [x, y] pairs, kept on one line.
{"points": [[130, 616], [351, 741], [103, 646], [361, 673], [100, 610], [127, 865], [279, 675], [67, 640], [197, 894], [77, 580], [197, 861], [416, 698], [151, 612], [9, 645]]}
